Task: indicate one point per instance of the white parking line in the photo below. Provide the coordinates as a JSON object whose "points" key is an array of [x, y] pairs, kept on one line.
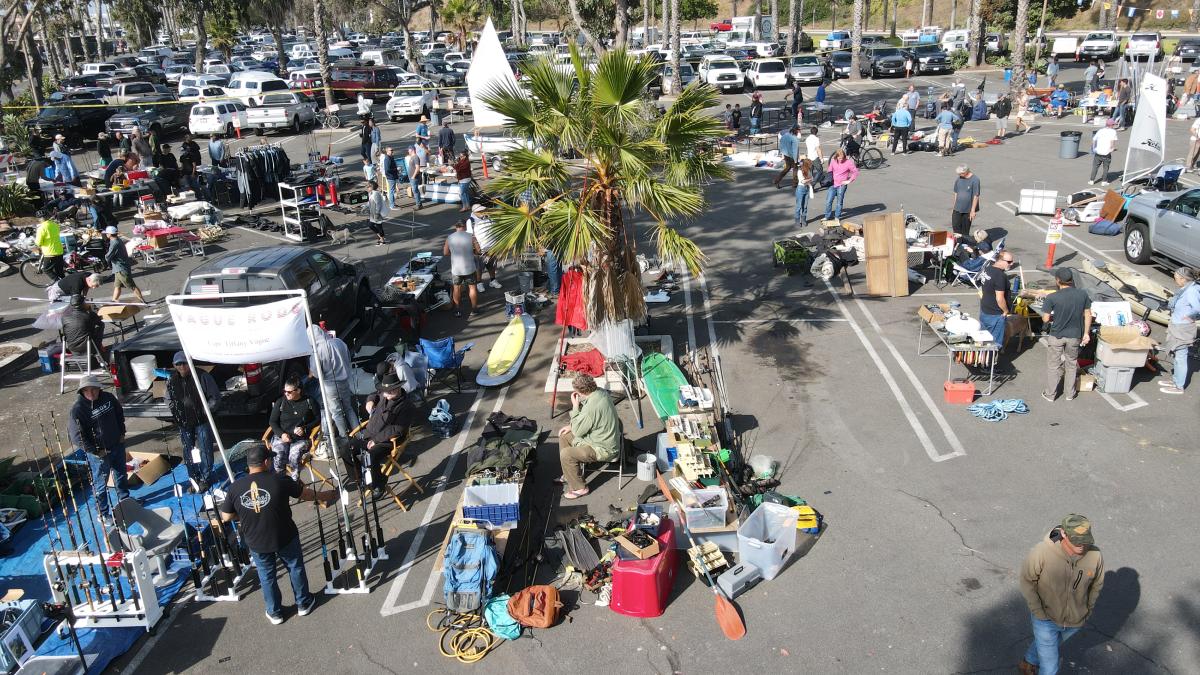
{"points": [[740, 321], [1138, 402], [264, 234], [389, 604]]}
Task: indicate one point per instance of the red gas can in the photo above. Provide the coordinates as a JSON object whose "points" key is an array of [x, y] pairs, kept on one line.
{"points": [[641, 588]]}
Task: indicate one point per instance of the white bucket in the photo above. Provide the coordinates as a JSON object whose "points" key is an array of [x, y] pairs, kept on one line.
{"points": [[647, 467], [143, 370]]}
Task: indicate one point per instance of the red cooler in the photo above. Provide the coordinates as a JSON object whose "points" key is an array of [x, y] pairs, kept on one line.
{"points": [[642, 587]]}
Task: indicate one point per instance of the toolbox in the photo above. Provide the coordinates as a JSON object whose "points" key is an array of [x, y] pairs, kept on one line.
{"points": [[354, 197], [739, 579], [959, 392]]}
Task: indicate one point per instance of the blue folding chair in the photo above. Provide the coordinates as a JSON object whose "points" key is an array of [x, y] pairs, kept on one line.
{"points": [[444, 361]]}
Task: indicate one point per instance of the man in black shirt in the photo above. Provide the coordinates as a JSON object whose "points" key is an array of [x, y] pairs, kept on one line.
{"points": [[259, 501], [446, 143], [1067, 313], [993, 304], [391, 415], [75, 283], [293, 417]]}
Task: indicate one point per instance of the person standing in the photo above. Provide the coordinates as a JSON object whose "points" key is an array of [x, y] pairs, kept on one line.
{"points": [[803, 192], [391, 173], [1067, 313], [376, 139], [797, 100], [966, 201], [901, 121], [293, 416], [1002, 109], [1022, 112], [363, 107], [446, 142], [1052, 71], [124, 142], [812, 150], [1181, 331], [1124, 96], [333, 356], [462, 173], [99, 424], [122, 266], [189, 147], [376, 209], [594, 434], [144, 150], [945, 128], [756, 113], [480, 226], [370, 171], [260, 502], [993, 299], [844, 171], [1104, 144], [104, 149], [49, 240], [788, 149], [1194, 147], [912, 101], [908, 66], [416, 178], [364, 138], [216, 151], [462, 247], [1061, 579], [187, 410], [1091, 78], [421, 133], [727, 117], [737, 119]]}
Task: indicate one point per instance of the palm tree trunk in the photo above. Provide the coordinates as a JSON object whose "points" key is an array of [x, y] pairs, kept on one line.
{"points": [[621, 25], [856, 40], [100, 28], [518, 22], [597, 48], [793, 41], [895, 9], [926, 12], [33, 69], [975, 39], [1020, 31], [774, 21], [281, 54], [757, 18], [665, 38], [676, 85], [866, 17], [647, 6], [410, 50], [201, 37], [883, 26], [953, 14], [1194, 24], [323, 48]]}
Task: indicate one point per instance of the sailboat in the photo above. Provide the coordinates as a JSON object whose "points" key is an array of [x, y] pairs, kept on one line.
{"points": [[489, 68], [1147, 137]]}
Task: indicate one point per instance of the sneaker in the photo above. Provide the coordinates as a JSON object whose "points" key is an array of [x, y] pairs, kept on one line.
{"points": [[495, 284], [1091, 182], [480, 287], [1171, 390], [1104, 183], [1026, 668], [605, 596], [307, 609], [1166, 383], [471, 314], [1047, 397], [457, 314], [275, 620], [1072, 397]]}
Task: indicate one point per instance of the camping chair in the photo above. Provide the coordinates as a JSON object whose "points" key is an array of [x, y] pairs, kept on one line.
{"points": [[963, 275], [607, 467], [159, 537], [444, 361], [1167, 179], [391, 464], [306, 458]]}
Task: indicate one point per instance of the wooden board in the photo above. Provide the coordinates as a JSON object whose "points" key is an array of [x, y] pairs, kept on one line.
{"points": [[887, 254]]}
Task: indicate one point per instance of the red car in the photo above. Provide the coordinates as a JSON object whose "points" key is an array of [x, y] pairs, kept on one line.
{"points": [[721, 25]]}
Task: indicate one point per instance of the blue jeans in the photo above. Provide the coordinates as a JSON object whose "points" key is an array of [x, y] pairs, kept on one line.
{"points": [[391, 191], [1043, 651], [293, 558], [554, 271], [802, 204], [837, 192], [115, 462], [416, 190], [755, 124], [1180, 372], [201, 438], [464, 193], [994, 324]]}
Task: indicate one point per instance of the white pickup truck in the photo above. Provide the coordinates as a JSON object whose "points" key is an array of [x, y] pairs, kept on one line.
{"points": [[289, 110], [1100, 44]]}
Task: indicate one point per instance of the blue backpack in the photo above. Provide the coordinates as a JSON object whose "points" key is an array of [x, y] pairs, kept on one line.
{"points": [[471, 565]]}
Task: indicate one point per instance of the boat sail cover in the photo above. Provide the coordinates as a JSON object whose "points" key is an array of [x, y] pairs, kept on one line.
{"points": [[1147, 137]]}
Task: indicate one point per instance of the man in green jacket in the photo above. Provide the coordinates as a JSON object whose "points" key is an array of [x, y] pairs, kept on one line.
{"points": [[1060, 579], [594, 434]]}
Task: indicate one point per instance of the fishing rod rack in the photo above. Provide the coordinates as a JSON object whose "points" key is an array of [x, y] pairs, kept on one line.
{"points": [[219, 563], [139, 609]]}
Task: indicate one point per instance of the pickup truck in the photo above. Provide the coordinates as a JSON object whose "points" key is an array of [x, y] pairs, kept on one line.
{"points": [[1144, 46], [339, 295], [1101, 44], [124, 92], [282, 111], [154, 114], [1164, 226]]}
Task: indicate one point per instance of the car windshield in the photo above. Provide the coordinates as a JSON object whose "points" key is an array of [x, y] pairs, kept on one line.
{"points": [[805, 61], [841, 57], [51, 112], [771, 67], [1144, 37], [407, 92], [928, 49], [206, 110], [189, 91], [886, 51]]}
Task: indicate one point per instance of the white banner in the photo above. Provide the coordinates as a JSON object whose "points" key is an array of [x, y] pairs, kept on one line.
{"points": [[1147, 136], [258, 334]]}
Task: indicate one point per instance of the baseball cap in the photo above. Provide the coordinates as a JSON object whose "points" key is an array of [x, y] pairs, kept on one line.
{"points": [[478, 208], [110, 230], [1111, 122], [1063, 274], [178, 358], [1078, 529]]}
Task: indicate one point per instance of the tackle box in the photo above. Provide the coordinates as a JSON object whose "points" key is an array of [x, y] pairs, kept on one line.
{"points": [[739, 579], [497, 505]]}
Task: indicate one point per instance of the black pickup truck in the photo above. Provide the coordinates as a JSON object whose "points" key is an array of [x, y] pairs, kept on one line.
{"points": [[338, 294]]}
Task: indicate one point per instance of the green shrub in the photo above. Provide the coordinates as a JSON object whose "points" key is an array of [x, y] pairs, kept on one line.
{"points": [[958, 59], [14, 199], [16, 135]]}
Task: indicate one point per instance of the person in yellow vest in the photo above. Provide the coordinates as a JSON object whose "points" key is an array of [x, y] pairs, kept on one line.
{"points": [[48, 240]]}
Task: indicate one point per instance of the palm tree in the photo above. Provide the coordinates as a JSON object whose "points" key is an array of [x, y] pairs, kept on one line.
{"points": [[273, 13], [975, 35], [201, 36], [675, 47], [793, 41], [1020, 33], [1194, 24], [323, 48], [632, 162], [462, 16], [856, 40]]}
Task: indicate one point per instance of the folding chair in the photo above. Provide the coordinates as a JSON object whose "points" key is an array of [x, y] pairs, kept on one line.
{"points": [[391, 465], [81, 365], [194, 243], [963, 275], [606, 467], [444, 361], [306, 458]]}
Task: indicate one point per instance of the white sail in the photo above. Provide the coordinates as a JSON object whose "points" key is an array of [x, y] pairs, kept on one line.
{"points": [[488, 68], [1147, 137]]}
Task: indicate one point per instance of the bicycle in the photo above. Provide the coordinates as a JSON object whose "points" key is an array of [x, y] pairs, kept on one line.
{"points": [[328, 119], [865, 156]]}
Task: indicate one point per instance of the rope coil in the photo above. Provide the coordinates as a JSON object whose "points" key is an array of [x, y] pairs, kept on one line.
{"points": [[998, 410]]}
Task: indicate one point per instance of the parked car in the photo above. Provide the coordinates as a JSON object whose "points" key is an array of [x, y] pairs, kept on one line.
{"points": [[201, 80], [173, 73], [721, 72], [145, 73], [410, 101], [1188, 49], [840, 63], [1144, 46], [1100, 44], [955, 40], [252, 87], [290, 110], [79, 81], [218, 117], [878, 61], [766, 73], [838, 39], [158, 114], [687, 75], [338, 295], [441, 73], [930, 58], [809, 69], [74, 123], [996, 43], [127, 91], [195, 94], [347, 83], [721, 25], [872, 41], [1164, 226], [741, 55]]}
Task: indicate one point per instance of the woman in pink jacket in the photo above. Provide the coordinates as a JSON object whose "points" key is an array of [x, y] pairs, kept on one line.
{"points": [[844, 172]]}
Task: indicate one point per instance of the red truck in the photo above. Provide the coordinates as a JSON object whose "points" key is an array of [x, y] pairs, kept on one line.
{"points": [[721, 25]]}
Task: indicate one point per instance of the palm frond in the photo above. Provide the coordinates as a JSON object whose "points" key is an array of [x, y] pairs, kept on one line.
{"points": [[572, 231], [514, 229], [677, 250]]}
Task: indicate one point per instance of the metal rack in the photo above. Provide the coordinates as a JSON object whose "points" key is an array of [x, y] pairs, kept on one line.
{"points": [[300, 215]]}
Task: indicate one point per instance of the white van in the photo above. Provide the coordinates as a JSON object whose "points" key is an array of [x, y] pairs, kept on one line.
{"points": [[98, 69], [217, 118], [955, 40], [341, 53], [301, 51], [383, 57], [250, 87], [197, 81]]}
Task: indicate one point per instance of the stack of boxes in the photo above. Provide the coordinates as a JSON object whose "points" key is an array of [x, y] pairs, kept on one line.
{"points": [[1120, 351]]}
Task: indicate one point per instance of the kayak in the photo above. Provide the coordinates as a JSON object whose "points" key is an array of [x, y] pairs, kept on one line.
{"points": [[1132, 284], [662, 379], [509, 352]]}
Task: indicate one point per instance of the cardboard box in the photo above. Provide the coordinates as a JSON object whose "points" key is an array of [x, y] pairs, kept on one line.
{"points": [[928, 316], [152, 467], [1087, 382], [641, 553], [1125, 337]]}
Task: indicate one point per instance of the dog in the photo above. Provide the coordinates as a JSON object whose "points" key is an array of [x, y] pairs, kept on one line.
{"points": [[339, 235], [1017, 327]]}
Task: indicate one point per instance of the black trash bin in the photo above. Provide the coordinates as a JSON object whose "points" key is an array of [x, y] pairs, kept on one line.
{"points": [[1068, 144]]}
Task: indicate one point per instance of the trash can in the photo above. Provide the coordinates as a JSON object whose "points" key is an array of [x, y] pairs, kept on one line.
{"points": [[1007, 75], [1068, 144]]}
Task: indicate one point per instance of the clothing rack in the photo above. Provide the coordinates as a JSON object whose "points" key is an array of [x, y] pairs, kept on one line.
{"points": [[260, 168]]}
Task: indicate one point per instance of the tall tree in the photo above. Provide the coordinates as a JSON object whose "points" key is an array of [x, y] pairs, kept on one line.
{"points": [[774, 22], [201, 35], [519, 22], [1019, 35], [926, 12], [632, 164], [676, 48], [141, 19], [462, 16], [621, 25], [895, 11], [757, 19], [224, 22], [793, 40], [581, 26], [1194, 22], [856, 41], [975, 41], [322, 35], [273, 14]]}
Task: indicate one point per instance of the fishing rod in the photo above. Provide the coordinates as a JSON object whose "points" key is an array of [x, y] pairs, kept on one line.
{"points": [[52, 533], [177, 488], [378, 527], [321, 533], [58, 487], [101, 541], [91, 515]]}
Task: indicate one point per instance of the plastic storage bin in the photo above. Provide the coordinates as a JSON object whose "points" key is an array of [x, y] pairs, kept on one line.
{"points": [[699, 518], [497, 505], [767, 538], [641, 588], [1114, 379], [1115, 355]]}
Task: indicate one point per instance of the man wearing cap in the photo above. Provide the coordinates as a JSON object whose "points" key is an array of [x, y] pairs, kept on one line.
{"points": [[293, 417], [98, 424], [48, 239], [1181, 331], [122, 266], [1060, 579], [260, 501], [463, 248], [391, 416], [789, 148], [187, 409], [1104, 144], [1067, 316]]}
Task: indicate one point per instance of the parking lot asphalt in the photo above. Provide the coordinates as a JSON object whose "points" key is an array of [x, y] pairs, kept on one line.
{"points": [[929, 511]]}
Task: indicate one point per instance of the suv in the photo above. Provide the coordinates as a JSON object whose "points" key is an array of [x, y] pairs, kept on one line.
{"points": [[809, 69], [1144, 46], [838, 39], [76, 123], [151, 115], [930, 59], [881, 61], [441, 73], [1188, 49], [766, 73], [1101, 44], [338, 294], [720, 72], [1164, 225]]}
